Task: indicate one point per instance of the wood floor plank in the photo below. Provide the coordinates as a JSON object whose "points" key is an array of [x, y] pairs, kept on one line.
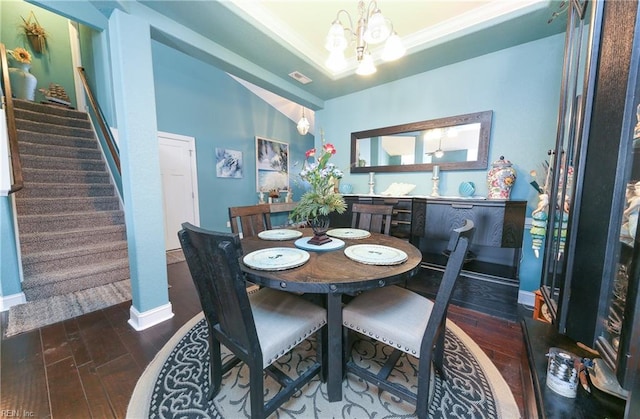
{"points": [[67, 396], [101, 339], [55, 344], [76, 343], [23, 380], [119, 378], [95, 392]]}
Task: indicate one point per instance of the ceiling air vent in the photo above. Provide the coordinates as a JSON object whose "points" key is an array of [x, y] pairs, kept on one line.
{"points": [[300, 77]]}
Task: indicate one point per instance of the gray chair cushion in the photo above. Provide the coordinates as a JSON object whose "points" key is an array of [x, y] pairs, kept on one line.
{"points": [[393, 315], [283, 320]]}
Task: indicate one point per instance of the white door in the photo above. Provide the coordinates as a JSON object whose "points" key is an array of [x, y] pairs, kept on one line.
{"points": [[179, 184]]}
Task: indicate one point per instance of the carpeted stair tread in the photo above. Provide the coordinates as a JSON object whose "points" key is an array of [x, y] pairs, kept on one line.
{"points": [[64, 176], [34, 190], [65, 282], [46, 262], [56, 222], [47, 138], [68, 252], [61, 163], [34, 149], [48, 109], [38, 242], [35, 116], [67, 205], [25, 125]]}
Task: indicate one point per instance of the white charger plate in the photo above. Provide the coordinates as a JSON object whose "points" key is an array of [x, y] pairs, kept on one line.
{"points": [[276, 258], [280, 234], [348, 233], [375, 254]]}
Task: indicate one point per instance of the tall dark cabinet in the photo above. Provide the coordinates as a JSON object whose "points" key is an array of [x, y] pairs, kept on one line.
{"points": [[591, 267]]}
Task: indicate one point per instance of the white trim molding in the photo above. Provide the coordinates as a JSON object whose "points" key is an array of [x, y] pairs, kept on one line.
{"points": [[140, 321], [8, 301], [527, 298]]}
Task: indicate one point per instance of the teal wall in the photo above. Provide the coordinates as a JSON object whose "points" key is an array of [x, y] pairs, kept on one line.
{"points": [[9, 270], [520, 85], [200, 101], [52, 66]]}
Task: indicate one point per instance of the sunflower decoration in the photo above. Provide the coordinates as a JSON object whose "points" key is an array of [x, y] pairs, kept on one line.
{"points": [[21, 55]]}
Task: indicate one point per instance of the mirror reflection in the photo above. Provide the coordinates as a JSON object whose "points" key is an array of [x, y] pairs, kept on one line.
{"points": [[458, 142]]}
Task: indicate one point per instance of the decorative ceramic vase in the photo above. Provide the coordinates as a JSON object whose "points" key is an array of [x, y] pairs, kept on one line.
{"points": [[23, 83], [500, 179], [320, 226], [346, 188]]}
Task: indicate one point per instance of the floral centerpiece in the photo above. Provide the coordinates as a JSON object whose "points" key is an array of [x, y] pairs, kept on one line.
{"points": [[321, 199]]}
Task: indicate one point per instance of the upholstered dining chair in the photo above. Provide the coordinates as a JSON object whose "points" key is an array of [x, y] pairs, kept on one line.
{"points": [[408, 323], [258, 328], [250, 219], [372, 217]]}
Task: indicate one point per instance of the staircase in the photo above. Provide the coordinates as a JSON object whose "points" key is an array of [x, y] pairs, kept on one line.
{"points": [[72, 232]]}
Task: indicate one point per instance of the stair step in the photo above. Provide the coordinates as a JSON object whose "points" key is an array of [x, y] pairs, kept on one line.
{"points": [[68, 205], [47, 138], [74, 279], [39, 242], [60, 163], [65, 176], [32, 126], [49, 118], [45, 190], [63, 258], [58, 151], [48, 109], [61, 222]]}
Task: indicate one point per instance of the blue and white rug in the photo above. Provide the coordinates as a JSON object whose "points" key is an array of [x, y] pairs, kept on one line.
{"points": [[176, 382]]}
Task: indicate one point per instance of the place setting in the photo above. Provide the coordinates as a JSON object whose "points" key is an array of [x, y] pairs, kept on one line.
{"points": [[375, 254], [276, 258], [280, 234]]}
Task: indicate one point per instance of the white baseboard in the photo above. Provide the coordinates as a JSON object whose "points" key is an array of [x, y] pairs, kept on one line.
{"points": [[145, 320], [8, 301], [528, 298]]}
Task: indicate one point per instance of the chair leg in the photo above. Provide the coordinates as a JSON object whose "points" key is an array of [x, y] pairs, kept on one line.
{"points": [[438, 352], [424, 381], [215, 367], [256, 391]]}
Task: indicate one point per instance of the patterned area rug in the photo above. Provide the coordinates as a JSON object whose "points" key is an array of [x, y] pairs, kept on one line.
{"points": [[175, 384]]}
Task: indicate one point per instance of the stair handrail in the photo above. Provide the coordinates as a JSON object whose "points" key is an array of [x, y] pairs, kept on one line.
{"points": [[12, 131], [106, 132]]}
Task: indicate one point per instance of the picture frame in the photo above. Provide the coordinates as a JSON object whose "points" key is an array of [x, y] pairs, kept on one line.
{"points": [[229, 163], [272, 165]]}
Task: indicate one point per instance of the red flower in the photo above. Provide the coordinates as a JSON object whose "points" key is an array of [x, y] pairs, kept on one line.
{"points": [[329, 148], [311, 153]]}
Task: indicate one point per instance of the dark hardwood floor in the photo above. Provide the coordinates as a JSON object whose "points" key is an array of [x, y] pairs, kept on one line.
{"points": [[87, 367]]}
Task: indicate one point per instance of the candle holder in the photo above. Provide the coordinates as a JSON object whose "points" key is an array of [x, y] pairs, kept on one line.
{"points": [[371, 183], [436, 180]]}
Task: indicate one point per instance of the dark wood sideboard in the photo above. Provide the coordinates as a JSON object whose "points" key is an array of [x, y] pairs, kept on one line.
{"points": [[489, 280]]}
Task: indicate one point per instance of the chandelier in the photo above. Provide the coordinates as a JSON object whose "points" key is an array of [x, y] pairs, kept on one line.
{"points": [[372, 28], [303, 124]]}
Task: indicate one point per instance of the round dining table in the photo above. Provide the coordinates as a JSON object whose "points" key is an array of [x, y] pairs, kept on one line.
{"points": [[332, 274]]}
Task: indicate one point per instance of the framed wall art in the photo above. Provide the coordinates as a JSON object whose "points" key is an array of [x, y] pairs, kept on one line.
{"points": [[272, 165], [228, 163]]}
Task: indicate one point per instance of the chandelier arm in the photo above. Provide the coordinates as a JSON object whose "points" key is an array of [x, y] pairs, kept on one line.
{"points": [[350, 28]]}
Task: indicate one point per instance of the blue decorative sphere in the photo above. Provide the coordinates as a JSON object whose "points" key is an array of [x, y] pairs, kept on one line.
{"points": [[346, 188]]}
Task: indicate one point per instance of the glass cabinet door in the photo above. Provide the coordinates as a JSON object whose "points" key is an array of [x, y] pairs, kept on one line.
{"points": [[557, 195]]}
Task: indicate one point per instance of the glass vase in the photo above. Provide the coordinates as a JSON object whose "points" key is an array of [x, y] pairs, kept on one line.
{"points": [[320, 226]]}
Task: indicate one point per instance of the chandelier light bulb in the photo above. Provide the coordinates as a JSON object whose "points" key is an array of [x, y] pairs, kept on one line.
{"points": [[378, 29], [336, 61], [366, 66], [336, 41], [439, 154], [393, 48]]}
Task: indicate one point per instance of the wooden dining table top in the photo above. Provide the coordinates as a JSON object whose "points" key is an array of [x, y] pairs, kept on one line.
{"points": [[331, 271]]}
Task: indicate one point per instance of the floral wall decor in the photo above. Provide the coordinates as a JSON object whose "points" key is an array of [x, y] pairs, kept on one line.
{"points": [[35, 33]]}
